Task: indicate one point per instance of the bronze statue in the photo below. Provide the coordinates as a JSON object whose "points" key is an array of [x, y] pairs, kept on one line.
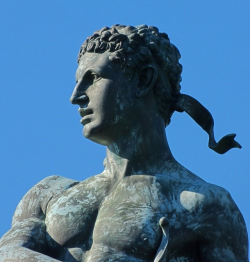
{"points": [[144, 206]]}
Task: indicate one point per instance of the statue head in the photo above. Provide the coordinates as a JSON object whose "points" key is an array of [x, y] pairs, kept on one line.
{"points": [[143, 53], [134, 47]]}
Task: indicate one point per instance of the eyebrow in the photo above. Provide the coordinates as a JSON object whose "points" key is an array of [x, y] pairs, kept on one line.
{"points": [[96, 70]]}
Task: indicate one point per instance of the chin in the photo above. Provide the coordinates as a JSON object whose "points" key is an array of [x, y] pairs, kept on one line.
{"points": [[95, 134]]}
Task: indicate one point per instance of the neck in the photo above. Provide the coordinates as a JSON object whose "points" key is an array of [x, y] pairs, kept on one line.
{"points": [[142, 151]]}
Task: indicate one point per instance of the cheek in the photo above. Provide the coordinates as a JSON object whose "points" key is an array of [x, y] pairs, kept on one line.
{"points": [[111, 100], [104, 107]]}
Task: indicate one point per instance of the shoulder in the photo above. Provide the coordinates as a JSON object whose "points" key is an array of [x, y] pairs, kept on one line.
{"points": [[225, 211], [207, 194], [214, 197], [219, 219], [197, 193], [211, 200], [35, 201]]}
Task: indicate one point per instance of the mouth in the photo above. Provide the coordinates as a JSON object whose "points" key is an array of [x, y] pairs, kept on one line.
{"points": [[84, 112]]}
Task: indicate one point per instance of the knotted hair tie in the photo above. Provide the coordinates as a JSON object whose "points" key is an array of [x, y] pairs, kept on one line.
{"points": [[185, 103]]}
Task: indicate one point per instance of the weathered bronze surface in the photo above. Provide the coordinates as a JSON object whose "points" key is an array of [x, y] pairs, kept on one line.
{"points": [[144, 206]]}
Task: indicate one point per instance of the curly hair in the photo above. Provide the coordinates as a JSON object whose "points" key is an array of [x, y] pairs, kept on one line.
{"points": [[134, 46]]}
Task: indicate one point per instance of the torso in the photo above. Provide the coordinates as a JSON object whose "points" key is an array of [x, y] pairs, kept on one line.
{"points": [[89, 222]]}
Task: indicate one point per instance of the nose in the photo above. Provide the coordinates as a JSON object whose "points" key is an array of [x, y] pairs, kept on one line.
{"points": [[78, 96], [77, 100]]}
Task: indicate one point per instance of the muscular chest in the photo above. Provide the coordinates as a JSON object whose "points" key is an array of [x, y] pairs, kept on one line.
{"points": [[70, 217], [128, 218]]}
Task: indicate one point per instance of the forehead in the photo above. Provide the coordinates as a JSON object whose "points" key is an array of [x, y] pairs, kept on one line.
{"points": [[99, 63]]}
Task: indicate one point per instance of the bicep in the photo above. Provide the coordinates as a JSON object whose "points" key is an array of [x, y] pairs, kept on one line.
{"points": [[29, 233], [25, 242], [27, 236], [28, 227]]}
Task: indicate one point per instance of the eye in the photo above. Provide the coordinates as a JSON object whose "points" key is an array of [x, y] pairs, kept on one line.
{"points": [[95, 77]]}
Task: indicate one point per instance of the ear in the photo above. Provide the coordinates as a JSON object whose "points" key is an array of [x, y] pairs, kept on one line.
{"points": [[147, 78]]}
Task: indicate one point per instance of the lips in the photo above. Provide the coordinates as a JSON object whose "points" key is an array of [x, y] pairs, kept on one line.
{"points": [[83, 113]]}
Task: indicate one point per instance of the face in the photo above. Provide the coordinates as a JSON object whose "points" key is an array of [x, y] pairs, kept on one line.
{"points": [[105, 97]]}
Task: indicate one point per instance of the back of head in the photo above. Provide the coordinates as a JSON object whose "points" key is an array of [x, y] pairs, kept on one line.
{"points": [[135, 46]]}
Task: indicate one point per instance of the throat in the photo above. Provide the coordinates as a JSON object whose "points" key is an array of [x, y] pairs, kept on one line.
{"points": [[118, 168]]}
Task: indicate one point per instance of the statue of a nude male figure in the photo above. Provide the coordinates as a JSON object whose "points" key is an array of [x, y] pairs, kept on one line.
{"points": [[145, 206]]}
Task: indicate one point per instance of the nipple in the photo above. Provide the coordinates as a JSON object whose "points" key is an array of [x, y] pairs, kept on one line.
{"points": [[161, 254]]}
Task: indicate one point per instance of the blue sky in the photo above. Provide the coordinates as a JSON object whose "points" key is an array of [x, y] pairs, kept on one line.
{"points": [[41, 134]]}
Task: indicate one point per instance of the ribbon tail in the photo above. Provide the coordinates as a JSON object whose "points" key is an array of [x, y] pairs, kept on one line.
{"points": [[161, 254], [185, 103]]}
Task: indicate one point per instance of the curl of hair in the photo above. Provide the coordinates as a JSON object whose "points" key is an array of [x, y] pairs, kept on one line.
{"points": [[132, 46]]}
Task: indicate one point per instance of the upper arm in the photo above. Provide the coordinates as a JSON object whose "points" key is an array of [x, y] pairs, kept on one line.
{"points": [[29, 233], [28, 227], [224, 235]]}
